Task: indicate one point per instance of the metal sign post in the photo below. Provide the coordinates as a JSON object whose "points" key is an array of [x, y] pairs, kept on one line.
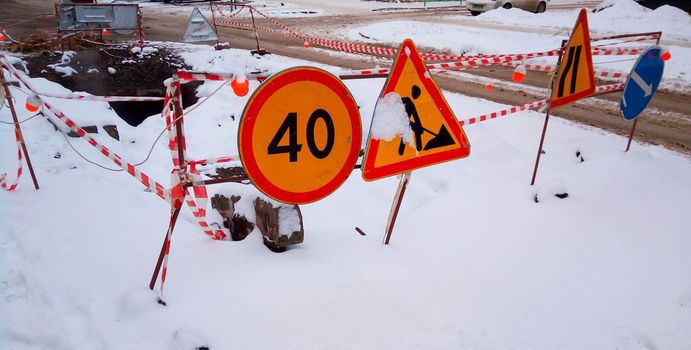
{"points": [[213, 21], [259, 50], [544, 127], [176, 202], [654, 82], [574, 78], [396, 205]]}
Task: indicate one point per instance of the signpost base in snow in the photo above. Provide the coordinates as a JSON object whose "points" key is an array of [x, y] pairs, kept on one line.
{"points": [[539, 149], [175, 211], [633, 129], [396, 205], [259, 51]]}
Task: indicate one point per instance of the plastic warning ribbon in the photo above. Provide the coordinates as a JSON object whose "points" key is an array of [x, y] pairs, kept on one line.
{"points": [[101, 98], [210, 161], [532, 105], [199, 201], [152, 185], [3, 182], [198, 204], [387, 51]]}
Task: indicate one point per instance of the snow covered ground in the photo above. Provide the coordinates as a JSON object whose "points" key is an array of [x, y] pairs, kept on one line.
{"points": [[512, 31], [475, 262]]}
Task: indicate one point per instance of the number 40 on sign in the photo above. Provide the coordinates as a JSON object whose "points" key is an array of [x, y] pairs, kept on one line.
{"points": [[300, 135]]}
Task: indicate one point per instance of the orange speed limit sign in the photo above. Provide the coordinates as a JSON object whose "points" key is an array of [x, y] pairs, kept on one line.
{"points": [[300, 135]]}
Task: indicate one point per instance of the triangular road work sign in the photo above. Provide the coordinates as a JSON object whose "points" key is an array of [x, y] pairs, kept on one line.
{"points": [[434, 135], [575, 77], [198, 28]]}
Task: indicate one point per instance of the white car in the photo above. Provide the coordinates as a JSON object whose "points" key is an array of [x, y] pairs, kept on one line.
{"points": [[477, 7]]}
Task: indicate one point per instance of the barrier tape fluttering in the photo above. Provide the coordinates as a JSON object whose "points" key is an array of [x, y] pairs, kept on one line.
{"points": [[198, 203], [3, 182], [152, 185], [387, 51], [532, 105]]}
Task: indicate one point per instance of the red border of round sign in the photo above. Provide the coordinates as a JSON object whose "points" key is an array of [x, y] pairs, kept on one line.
{"points": [[248, 121]]}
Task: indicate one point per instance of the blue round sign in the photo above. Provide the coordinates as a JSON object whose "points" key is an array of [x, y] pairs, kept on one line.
{"points": [[642, 83]]}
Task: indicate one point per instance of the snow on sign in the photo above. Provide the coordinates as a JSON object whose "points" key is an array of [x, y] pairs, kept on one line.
{"points": [[300, 135], [413, 125], [642, 83], [575, 77], [198, 28]]}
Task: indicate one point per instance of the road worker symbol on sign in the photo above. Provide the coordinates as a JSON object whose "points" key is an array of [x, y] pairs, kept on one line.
{"points": [[432, 134], [443, 138]]}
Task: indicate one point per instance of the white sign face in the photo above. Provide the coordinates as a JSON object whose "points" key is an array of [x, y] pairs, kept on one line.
{"points": [[198, 28]]}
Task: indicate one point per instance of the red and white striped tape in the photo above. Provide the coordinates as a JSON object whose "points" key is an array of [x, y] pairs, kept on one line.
{"points": [[149, 183], [210, 161], [187, 76], [176, 204], [479, 62], [549, 68], [387, 51], [642, 37], [101, 98], [154, 186], [532, 105], [618, 51], [3, 182], [504, 112], [199, 202], [503, 60]]}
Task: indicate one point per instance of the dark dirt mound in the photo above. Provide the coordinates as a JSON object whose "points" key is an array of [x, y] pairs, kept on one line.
{"points": [[115, 71]]}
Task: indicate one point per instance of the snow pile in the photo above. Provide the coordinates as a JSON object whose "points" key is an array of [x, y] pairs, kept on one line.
{"points": [[516, 33], [610, 17], [619, 16], [63, 67], [288, 220], [391, 120], [65, 71]]}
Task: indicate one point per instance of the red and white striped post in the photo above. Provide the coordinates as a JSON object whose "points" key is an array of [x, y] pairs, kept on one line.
{"points": [[18, 129]]}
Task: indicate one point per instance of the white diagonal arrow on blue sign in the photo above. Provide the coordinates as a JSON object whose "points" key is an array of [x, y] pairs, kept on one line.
{"points": [[647, 88]]}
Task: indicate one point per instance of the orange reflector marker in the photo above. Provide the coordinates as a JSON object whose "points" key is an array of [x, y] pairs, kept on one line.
{"points": [[105, 32], [306, 44], [489, 87], [33, 103], [519, 74], [241, 86], [2, 36], [666, 55]]}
